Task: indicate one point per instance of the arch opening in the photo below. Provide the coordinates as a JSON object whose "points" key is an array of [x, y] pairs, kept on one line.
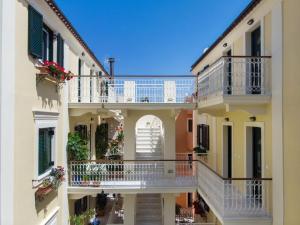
{"points": [[149, 138]]}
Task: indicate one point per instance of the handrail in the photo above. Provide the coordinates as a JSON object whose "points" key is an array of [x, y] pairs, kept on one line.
{"points": [[140, 76], [173, 160], [233, 56]]}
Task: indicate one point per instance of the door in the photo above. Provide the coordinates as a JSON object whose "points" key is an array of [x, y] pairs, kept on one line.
{"points": [[228, 78], [229, 151], [256, 165], [256, 145], [255, 78]]}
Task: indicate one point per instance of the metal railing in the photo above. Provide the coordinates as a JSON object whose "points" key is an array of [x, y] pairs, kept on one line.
{"points": [[235, 196], [132, 89], [130, 172], [235, 75]]}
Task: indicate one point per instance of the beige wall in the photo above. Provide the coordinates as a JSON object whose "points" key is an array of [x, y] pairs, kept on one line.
{"points": [[31, 95], [291, 109]]}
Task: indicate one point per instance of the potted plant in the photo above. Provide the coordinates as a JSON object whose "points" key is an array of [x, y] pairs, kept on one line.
{"points": [[50, 183], [53, 72], [200, 150]]}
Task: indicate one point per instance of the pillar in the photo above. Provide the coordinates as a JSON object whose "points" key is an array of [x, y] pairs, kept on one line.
{"points": [[169, 203], [129, 204]]}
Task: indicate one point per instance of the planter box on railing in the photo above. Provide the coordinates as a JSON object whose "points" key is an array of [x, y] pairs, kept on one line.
{"points": [[52, 72], [49, 183]]}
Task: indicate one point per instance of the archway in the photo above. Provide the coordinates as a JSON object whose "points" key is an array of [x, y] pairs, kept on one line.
{"points": [[149, 138]]}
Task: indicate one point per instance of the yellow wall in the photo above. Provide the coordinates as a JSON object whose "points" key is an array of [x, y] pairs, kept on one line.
{"points": [[291, 109], [31, 95]]}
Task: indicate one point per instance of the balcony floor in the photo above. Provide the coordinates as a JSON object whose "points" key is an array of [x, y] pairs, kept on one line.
{"points": [[140, 106], [166, 185]]}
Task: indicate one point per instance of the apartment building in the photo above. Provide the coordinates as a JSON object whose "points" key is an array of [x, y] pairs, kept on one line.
{"points": [[246, 102], [243, 127], [34, 107]]}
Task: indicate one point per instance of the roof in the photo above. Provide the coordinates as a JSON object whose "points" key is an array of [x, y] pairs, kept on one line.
{"points": [[240, 17], [71, 28]]}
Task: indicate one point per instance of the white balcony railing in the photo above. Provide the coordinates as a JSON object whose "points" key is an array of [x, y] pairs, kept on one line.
{"points": [[139, 174], [235, 76], [132, 89], [236, 196]]}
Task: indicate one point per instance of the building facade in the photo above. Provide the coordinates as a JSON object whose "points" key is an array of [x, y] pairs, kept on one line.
{"points": [[221, 143]]}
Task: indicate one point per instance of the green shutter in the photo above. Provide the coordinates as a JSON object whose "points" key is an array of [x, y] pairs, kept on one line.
{"points": [[35, 32], [60, 50], [50, 44]]}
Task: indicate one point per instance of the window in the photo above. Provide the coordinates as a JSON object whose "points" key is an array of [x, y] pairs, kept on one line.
{"points": [[45, 149], [203, 136], [82, 130], [81, 205], [190, 125], [190, 199], [45, 142], [47, 44], [60, 50]]}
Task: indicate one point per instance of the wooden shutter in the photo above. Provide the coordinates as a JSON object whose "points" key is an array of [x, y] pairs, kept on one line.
{"points": [[35, 32], [205, 136], [60, 51], [198, 135]]}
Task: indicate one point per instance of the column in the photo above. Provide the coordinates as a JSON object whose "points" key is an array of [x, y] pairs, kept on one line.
{"points": [[129, 209], [129, 137], [169, 202]]}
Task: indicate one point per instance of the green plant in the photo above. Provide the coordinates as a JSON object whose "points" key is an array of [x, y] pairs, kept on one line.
{"points": [[77, 147], [114, 147], [120, 136], [81, 219], [101, 142], [200, 149]]}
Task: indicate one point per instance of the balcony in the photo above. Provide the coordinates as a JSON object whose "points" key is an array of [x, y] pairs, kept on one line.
{"points": [[235, 198], [137, 176], [234, 83], [132, 92]]}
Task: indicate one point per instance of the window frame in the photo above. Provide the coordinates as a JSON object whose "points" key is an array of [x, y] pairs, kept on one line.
{"points": [[48, 44], [188, 125], [45, 120]]}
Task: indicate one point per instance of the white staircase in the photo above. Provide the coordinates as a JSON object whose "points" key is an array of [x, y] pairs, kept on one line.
{"points": [[148, 143], [148, 209]]}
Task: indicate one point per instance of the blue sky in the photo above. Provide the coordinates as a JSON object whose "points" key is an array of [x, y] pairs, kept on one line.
{"points": [[151, 36]]}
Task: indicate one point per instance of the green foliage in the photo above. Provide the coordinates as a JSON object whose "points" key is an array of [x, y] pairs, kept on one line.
{"points": [[101, 140], [77, 147], [120, 136], [200, 149], [82, 218]]}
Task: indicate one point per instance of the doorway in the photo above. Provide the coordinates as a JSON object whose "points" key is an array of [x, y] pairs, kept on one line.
{"points": [[227, 151], [255, 77], [254, 161]]}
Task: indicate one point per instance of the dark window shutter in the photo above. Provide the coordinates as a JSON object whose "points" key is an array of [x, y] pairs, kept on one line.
{"points": [[198, 135], [50, 44], [35, 32], [60, 50]]}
